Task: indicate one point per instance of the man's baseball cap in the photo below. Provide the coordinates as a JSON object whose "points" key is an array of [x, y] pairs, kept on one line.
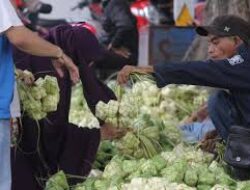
{"points": [[227, 25]]}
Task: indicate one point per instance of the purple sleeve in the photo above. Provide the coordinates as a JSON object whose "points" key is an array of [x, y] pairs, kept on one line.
{"points": [[94, 90]]}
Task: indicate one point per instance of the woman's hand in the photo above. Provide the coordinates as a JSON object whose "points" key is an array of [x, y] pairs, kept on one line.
{"points": [[66, 61]]}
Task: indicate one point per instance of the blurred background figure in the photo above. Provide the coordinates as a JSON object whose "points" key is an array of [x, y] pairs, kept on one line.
{"points": [[121, 35], [165, 11]]}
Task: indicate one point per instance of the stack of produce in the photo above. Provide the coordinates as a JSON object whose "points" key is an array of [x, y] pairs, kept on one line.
{"points": [[171, 103], [39, 99], [152, 113], [150, 155], [183, 168], [80, 114], [106, 152]]}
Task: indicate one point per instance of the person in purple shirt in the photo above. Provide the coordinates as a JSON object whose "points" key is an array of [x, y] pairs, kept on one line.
{"points": [[62, 145]]}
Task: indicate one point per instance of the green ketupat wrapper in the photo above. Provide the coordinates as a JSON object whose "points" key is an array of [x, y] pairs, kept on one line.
{"points": [[50, 85], [101, 184], [89, 184], [206, 178], [243, 185], [148, 169], [57, 182], [191, 177], [129, 166], [49, 103], [175, 172], [79, 113], [159, 162], [204, 187], [39, 99], [38, 92], [114, 169]]}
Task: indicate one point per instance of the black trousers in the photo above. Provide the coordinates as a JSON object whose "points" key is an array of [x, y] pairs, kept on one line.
{"points": [[223, 112]]}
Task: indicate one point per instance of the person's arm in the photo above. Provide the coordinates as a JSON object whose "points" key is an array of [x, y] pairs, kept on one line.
{"points": [[220, 74], [29, 42], [24, 39], [86, 50]]}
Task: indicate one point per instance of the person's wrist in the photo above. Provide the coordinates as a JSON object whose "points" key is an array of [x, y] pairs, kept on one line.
{"points": [[59, 54]]}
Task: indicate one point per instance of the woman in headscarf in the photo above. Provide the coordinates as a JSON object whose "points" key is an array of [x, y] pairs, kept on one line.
{"points": [[56, 144]]}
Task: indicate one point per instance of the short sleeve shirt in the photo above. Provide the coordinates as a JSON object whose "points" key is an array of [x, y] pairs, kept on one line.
{"points": [[8, 19]]}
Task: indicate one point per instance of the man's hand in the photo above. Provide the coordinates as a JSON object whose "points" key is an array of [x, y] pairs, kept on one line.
{"points": [[66, 61], [199, 115], [208, 144], [25, 76], [202, 113], [110, 132], [123, 75]]}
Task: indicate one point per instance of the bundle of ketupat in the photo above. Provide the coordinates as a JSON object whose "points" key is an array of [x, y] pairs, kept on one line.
{"points": [[57, 182], [106, 152], [40, 98], [151, 113], [80, 113], [144, 97]]}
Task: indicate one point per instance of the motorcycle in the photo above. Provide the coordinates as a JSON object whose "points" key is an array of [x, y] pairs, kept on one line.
{"points": [[139, 8], [30, 10]]}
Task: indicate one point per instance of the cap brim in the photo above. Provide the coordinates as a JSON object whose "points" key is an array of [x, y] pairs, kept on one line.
{"points": [[206, 30]]}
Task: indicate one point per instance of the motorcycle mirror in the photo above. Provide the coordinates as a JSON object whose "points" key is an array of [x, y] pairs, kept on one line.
{"points": [[45, 8]]}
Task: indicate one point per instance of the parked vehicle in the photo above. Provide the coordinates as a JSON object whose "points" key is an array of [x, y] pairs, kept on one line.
{"points": [[139, 8], [32, 9]]}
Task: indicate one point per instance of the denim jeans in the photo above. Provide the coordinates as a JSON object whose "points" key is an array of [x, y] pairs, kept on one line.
{"points": [[5, 170], [196, 131], [223, 112]]}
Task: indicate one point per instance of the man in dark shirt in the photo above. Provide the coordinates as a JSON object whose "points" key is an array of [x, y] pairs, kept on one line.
{"points": [[227, 107]]}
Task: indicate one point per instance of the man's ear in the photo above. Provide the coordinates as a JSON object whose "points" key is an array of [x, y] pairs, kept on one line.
{"points": [[238, 40]]}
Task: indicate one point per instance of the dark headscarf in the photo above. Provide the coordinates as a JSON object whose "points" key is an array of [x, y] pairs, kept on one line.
{"points": [[59, 140]]}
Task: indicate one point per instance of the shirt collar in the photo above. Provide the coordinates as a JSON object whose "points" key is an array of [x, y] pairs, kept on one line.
{"points": [[243, 49]]}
